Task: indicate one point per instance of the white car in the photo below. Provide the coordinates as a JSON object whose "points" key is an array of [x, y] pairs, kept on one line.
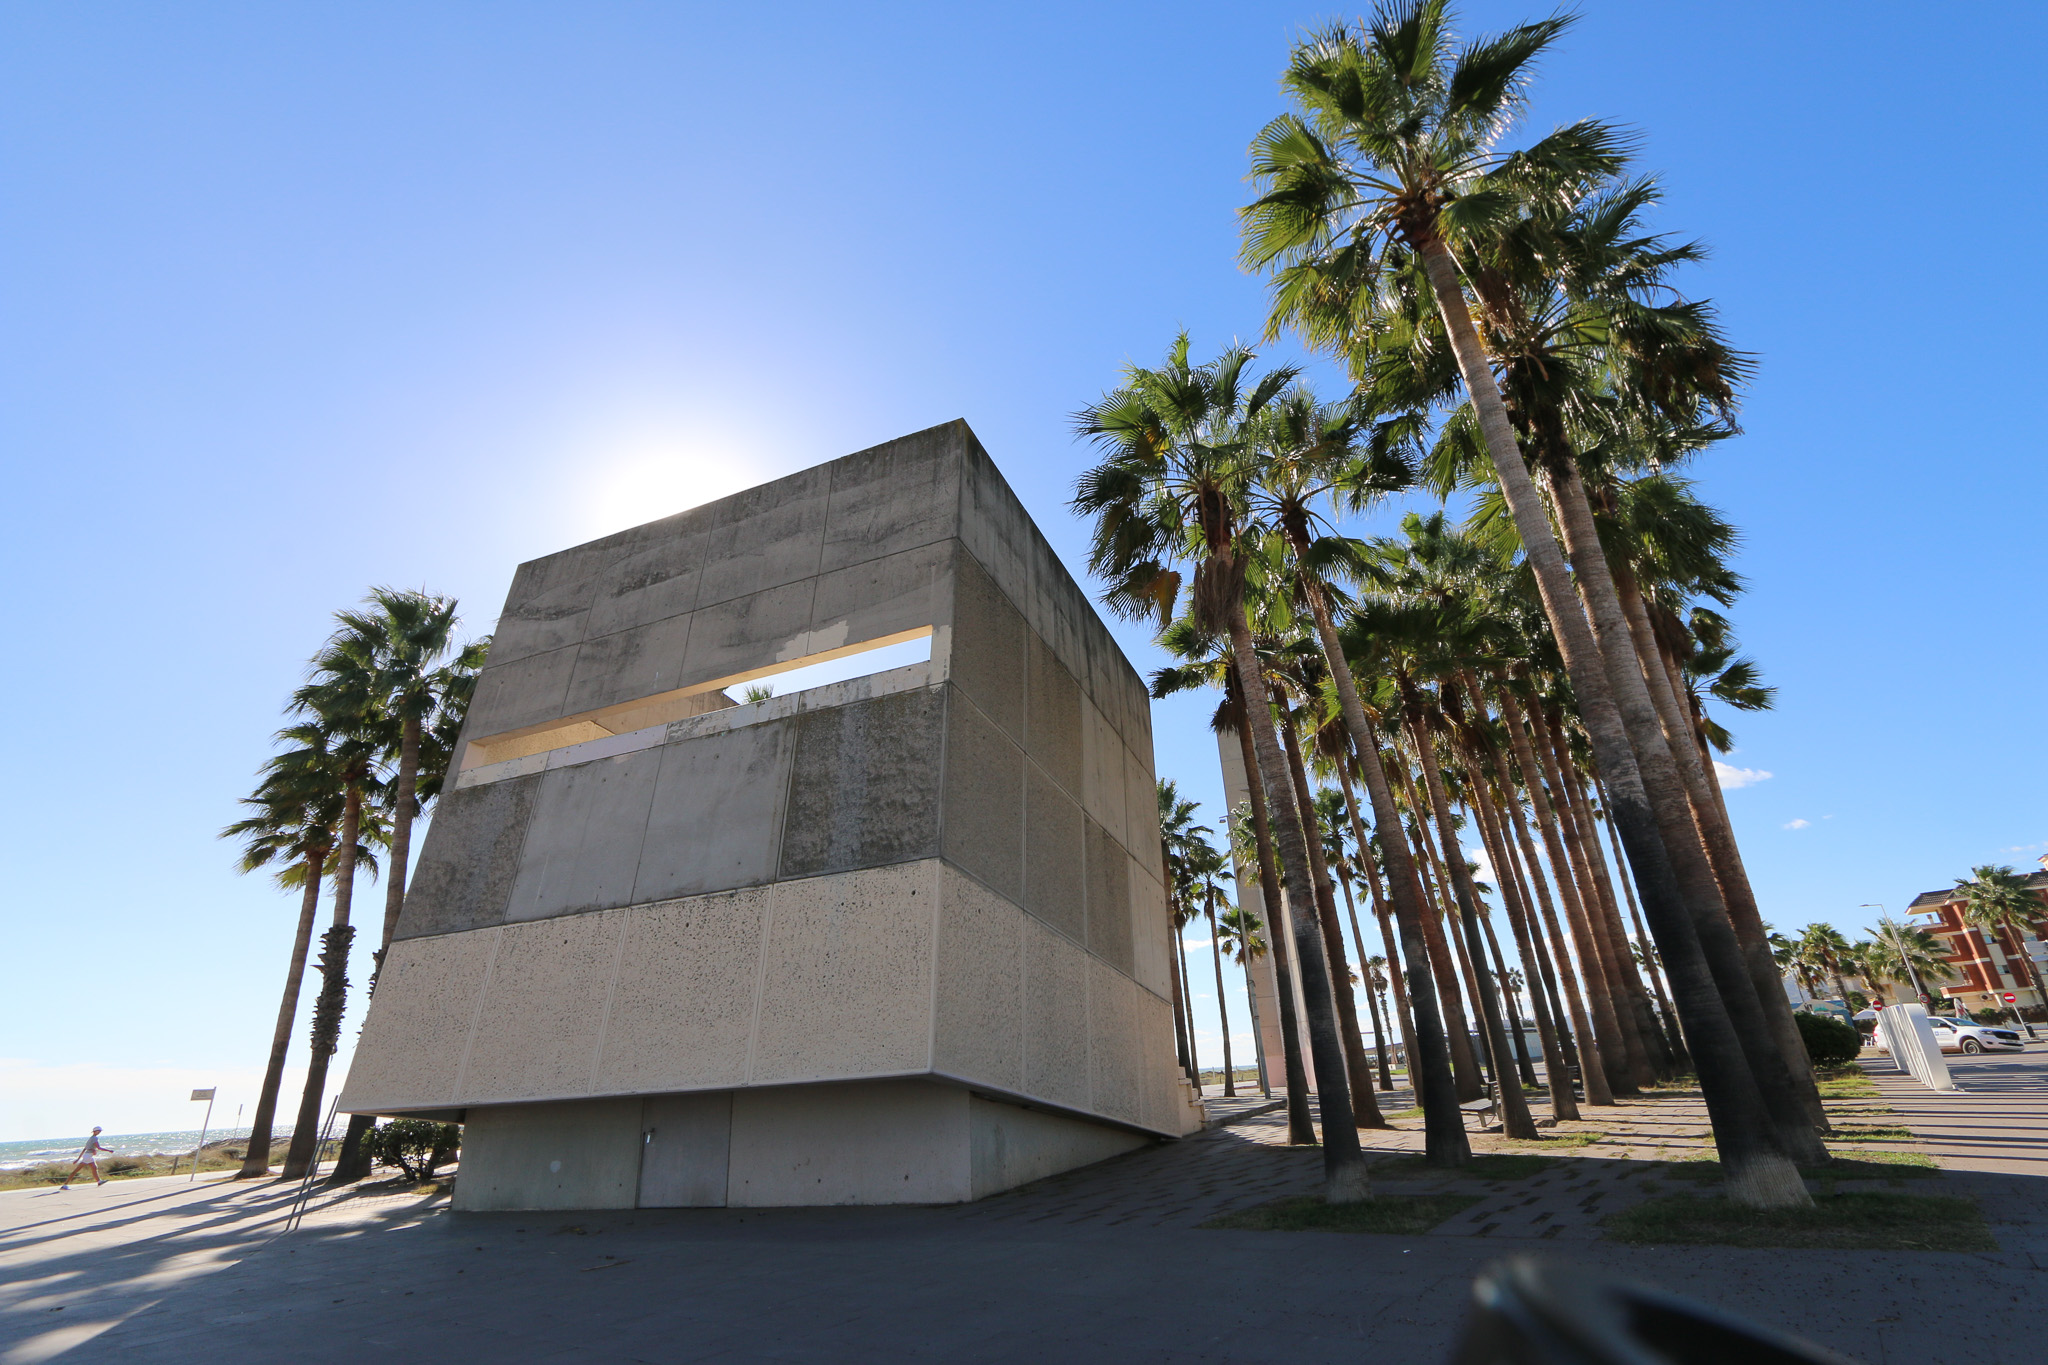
{"points": [[1962, 1035]]}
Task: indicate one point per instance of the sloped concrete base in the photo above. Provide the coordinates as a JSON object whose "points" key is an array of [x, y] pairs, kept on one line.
{"points": [[859, 1142]]}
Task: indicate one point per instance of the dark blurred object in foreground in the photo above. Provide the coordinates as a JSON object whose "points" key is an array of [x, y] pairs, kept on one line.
{"points": [[1531, 1312]]}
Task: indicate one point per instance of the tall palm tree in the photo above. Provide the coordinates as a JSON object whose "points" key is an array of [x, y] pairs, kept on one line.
{"points": [[293, 829], [1822, 948], [1206, 865], [1396, 144], [1177, 835], [1999, 904], [352, 738], [399, 670], [1171, 490]]}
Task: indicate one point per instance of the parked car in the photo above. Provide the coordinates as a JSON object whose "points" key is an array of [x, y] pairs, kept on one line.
{"points": [[1963, 1035]]}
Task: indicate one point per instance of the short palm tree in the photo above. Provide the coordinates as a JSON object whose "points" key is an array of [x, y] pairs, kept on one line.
{"points": [[1906, 953], [1998, 903], [1822, 949]]}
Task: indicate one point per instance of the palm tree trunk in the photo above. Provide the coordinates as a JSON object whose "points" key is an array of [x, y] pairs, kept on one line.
{"points": [[1528, 878], [1510, 1002], [1301, 1130], [1344, 1166], [1430, 1052], [1717, 839], [1180, 1019], [1222, 1005], [1386, 928], [1759, 1172], [1595, 1026], [1444, 963], [257, 1161], [1614, 934], [1187, 997], [353, 1163], [1673, 1039], [327, 1010], [1791, 1114], [1516, 1120], [1365, 1107], [1379, 1030], [1628, 1066], [1563, 1104]]}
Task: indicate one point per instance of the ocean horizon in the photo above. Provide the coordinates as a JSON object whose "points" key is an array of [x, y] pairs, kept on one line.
{"points": [[36, 1151]]}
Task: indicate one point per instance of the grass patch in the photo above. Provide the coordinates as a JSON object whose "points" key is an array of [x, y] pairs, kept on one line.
{"points": [[1555, 1141], [1401, 1214], [1863, 1221], [1485, 1166], [1844, 1083], [1851, 1165], [1414, 1113], [1873, 1135]]}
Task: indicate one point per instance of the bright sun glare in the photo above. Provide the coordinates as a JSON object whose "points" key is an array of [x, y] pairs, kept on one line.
{"points": [[656, 475]]}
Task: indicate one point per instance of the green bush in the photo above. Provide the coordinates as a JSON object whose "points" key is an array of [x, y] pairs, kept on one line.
{"points": [[1829, 1042], [415, 1146]]}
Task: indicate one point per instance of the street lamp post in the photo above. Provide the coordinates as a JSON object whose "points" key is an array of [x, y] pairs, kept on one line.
{"points": [[1884, 916]]}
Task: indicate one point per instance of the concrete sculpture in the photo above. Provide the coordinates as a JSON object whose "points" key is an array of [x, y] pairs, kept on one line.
{"points": [[901, 939]]}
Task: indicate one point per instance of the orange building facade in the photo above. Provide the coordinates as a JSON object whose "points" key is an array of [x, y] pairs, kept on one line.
{"points": [[1990, 965]]}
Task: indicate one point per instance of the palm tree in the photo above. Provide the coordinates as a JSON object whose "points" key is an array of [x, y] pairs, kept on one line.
{"points": [[1396, 145], [1821, 948], [1907, 953], [1171, 490], [293, 829], [393, 670], [1176, 831], [351, 739], [1240, 933], [1206, 865], [1998, 903]]}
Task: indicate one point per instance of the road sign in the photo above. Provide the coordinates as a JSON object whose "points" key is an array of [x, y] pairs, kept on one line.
{"points": [[208, 1094], [2009, 997]]}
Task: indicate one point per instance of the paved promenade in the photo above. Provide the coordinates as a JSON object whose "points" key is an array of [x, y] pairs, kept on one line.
{"points": [[1097, 1265]]}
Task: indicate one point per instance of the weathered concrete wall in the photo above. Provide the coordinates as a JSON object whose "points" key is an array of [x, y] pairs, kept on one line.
{"points": [[634, 887], [907, 1141]]}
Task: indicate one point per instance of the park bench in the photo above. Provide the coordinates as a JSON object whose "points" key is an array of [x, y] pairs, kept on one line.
{"points": [[1481, 1107]]}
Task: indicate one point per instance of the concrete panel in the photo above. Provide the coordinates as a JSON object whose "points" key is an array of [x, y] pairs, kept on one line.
{"points": [[628, 664], [764, 537], [411, 1045], [1109, 898], [1054, 882], [882, 1142], [582, 1154], [1151, 933], [716, 817], [978, 1033], [1141, 810], [1102, 771], [984, 798], [652, 580], [1014, 1146], [747, 633], [895, 496], [1116, 1070], [583, 843], [520, 692], [988, 647], [846, 978], [549, 602], [685, 1141], [543, 1013], [993, 524], [865, 787], [470, 858], [1055, 1018], [883, 596], [682, 1010], [1053, 724]]}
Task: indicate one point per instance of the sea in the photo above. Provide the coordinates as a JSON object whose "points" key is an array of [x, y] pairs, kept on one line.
{"points": [[34, 1152]]}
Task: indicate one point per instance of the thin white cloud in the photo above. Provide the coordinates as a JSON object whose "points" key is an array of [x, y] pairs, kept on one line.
{"points": [[1735, 779], [1798, 824]]}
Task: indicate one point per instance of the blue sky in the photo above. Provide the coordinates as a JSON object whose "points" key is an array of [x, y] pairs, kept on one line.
{"points": [[299, 299]]}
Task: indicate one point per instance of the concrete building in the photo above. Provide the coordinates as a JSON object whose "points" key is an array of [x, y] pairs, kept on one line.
{"points": [[1989, 965], [899, 939]]}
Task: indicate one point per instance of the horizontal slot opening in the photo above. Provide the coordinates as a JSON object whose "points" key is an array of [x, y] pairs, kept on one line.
{"points": [[785, 676]]}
